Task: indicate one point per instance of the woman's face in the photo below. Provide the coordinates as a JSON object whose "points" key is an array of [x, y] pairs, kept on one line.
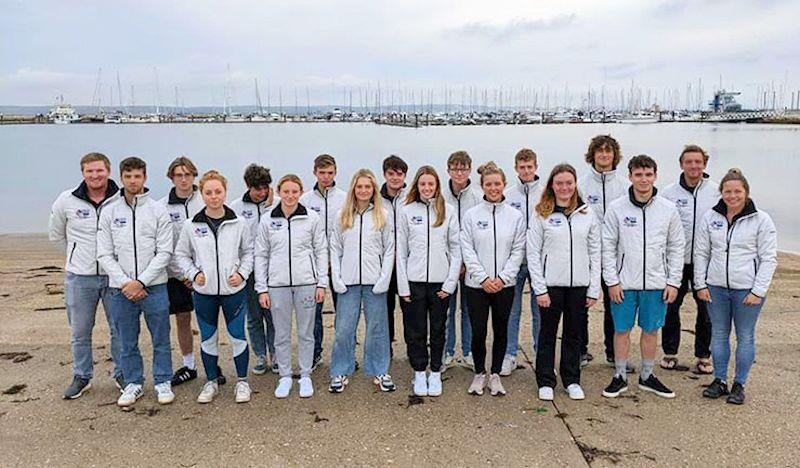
{"points": [[214, 194], [493, 187], [290, 193], [734, 195], [364, 189], [426, 186], [564, 186]]}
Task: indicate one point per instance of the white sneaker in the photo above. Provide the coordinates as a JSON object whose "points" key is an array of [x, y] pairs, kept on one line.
{"points": [[242, 391], [509, 365], [420, 383], [208, 392], [164, 393], [284, 387], [449, 361], [306, 387], [129, 396], [435, 384], [467, 362], [575, 392], [496, 385], [477, 385], [546, 393]]}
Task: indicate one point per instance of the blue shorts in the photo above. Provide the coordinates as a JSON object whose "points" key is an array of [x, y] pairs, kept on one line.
{"points": [[649, 305]]}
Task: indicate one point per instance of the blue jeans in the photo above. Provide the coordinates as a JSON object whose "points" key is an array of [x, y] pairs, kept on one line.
{"points": [[81, 295], [726, 306], [466, 328], [234, 310], [259, 323], [376, 339], [155, 308], [516, 314]]}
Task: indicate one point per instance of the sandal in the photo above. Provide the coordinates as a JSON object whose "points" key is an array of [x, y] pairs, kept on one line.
{"points": [[669, 362], [704, 367]]}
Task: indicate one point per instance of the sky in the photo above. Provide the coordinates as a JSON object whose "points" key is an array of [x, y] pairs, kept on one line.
{"points": [[52, 48]]}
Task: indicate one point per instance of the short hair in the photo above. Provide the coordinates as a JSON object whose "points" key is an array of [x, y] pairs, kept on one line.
{"points": [[459, 158], [132, 163], [735, 174], [257, 176], [181, 161], [94, 157], [213, 175], [324, 160], [290, 178], [395, 163], [602, 141], [642, 161], [525, 154], [693, 149], [490, 168]]}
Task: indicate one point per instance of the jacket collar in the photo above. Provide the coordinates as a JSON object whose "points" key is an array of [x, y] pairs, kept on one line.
{"points": [[246, 198], [145, 195], [173, 198], [385, 192], [581, 208], [600, 176], [682, 182], [748, 210], [201, 216], [277, 212], [637, 203], [501, 203], [526, 187], [319, 191], [458, 195], [82, 192]]}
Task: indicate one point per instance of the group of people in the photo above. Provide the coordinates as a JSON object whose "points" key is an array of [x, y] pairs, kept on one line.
{"points": [[268, 257]]}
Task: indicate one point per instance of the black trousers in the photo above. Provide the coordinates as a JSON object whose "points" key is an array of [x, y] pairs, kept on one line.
{"points": [[480, 303], [571, 303], [425, 310], [391, 300], [671, 332], [608, 325]]}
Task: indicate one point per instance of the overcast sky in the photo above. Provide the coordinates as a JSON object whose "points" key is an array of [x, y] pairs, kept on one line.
{"points": [[48, 48]]}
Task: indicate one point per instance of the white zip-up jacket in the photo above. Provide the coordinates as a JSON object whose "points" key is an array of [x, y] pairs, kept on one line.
{"points": [[492, 243], [463, 200], [565, 251], [394, 205], [326, 204], [524, 196], [692, 205], [134, 242], [291, 252], [252, 212], [179, 211], [362, 255], [599, 189], [217, 255], [739, 255], [427, 253], [73, 224], [642, 244]]}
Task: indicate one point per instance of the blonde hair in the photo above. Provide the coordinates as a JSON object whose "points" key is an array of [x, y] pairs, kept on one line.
{"points": [[213, 175], [438, 204], [547, 203], [735, 174], [490, 168], [95, 157], [290, 178], [350, 204]]}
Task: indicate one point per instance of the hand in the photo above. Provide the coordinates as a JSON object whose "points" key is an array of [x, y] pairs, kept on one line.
{"points": [[131, 289], [440, 295], [543, 300], [263, 300], [704, 295], [187, 282], [200, 279], [499, 284], [616, 294], [590, 302], [406, 298], [142, 294], [751, 300], [462, 273], [670, 294], [489, 286], [235, 280], [320, 296]]}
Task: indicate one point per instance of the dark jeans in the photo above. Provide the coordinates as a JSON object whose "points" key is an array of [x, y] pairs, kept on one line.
{"points": [[391, 300], [571, 302], [480, 303], [318, 323], [671, 333], [608, 325], [425, 309]]}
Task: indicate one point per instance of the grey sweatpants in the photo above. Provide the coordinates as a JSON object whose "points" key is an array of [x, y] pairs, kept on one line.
{"points": [[301, 300]]}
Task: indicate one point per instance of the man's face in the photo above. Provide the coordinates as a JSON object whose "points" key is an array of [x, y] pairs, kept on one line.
{"points": [[459, 173], [95, 174], [604, 157], [526, 170], [133, 181], [394, 179], [643, 179], [325, 176], [693, 164], [259, 194], [182, 178]]}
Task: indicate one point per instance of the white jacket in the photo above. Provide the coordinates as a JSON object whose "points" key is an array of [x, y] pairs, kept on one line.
{"points": [[642, 245], [74, 220], [217, 256], [739, 255], [599, 189], [179, 211], [326, 205], [362, 255], [134, 242], [524, 196], [427, 253], [252, 212], [463, 200], [394, 205], [290, 252], [692, 205], [565, 251], [492, 243]]}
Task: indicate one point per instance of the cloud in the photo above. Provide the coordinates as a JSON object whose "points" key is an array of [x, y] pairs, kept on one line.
{"points": [[29, 76], [514, 28]]}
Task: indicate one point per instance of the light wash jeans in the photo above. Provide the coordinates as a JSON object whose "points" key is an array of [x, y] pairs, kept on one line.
{"points": [[376, 339], [516, 314], [466, 328], [726, 306]]}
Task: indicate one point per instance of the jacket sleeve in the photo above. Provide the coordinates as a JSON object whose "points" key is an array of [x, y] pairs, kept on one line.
{"points": [[245, 252], [702, 253], [675, 246], [158, 264], [474, 268], [767, 244], [609, 248], [57, 225], [387, 237], [105, 251], [261, 256], [533, 249], [403, 289], [184, 254], [595, 257], [454, 247], [320, 245], [337, 250], [511, 268]]}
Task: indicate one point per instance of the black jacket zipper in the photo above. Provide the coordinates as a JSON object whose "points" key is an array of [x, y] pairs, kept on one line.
{"points": [[135, 254], [289, 227], [603, 179], [644, 249], [728, 253], [569, 223], [494, 232], [428, 255], [360, 236], [216, 252]]}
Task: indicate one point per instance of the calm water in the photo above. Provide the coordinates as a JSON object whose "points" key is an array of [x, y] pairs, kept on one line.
{"points": [[43, 160]]}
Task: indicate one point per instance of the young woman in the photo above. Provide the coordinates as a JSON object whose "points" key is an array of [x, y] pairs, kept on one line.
{"points": [[734, 260], [362, 259], [564, 261], [492, 245], [215, 251], [291, 263], [427, 227]]}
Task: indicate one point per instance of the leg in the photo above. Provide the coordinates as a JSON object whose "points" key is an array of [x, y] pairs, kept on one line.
{"points": [[81, 295], [671, 333], [744, 320], [450, 323], [466, 324], [546, 354], [437, 310], [720, 310], [235, 309], [126, 316], [623, 320], [479, 316], [501, 307], [608, 322], [183, 322], [318, 331], [652, 313], [281, 299], [348, 313], [305, 308], [702, 330], [391, 295], [116, 343], [376, 336], [207, 310], [156, 314], [416, 324], [536, 320], [255, 320], [514, 315], [574, 311]]}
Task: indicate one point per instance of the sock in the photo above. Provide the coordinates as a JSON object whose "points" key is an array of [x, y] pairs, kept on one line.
{"points": [[188, 361], [647, 368], [620, 365]]}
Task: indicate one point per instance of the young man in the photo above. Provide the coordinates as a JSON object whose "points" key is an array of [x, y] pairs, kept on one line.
{"points": [[461, 195], [134, 246], [393, 192], [601, 186], [693, 194], [326, 199], [642, 264], [523, 196], [73, 228], [255, 203]]}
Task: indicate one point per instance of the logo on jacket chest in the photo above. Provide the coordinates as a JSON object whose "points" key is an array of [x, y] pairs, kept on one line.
{"points": [[175, 217], [120, 222], [318, 209], [593, 199], [416, 220], [201, 231], [555, 222], [717, 225], [630, 221], [516, 204], [247, 214], [682, 202], [483, 225], [83, 213], [275, 225]]}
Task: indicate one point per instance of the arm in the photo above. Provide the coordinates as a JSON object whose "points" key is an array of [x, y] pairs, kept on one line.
{"points": [[337, 251], [535, 243], [184, 253], [245, 252], [702, 254], [261, 256], [595, 258], [609, 248], [510, 269], [403, 289], [470, 257], [675, 246], [57, 225], [105, 251], [387, 237], [767, 241], [158, 264], [320, 245], [454, 247]]}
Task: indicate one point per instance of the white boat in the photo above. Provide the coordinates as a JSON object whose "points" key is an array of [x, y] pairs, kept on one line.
{"points": [[112, 118], [63, 113], [258, 118], [639, 117], [235, 118]]}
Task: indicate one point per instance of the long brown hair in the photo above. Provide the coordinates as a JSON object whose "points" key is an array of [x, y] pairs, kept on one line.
{"points": [[547, 204], [351, 205], [438, 204]]}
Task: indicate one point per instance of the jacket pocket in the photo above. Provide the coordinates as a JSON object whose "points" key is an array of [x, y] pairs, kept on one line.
{"points": [[544, 267], [755, 268], [313, 269], [75, 244], [621, 264]]}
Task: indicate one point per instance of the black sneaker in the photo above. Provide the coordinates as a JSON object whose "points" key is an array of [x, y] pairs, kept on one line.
{"points": [[717, 389], [585, 360], [652, 384], [221, 380], [737, 394], [183, 375], [617, 386], [77, 388]]}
